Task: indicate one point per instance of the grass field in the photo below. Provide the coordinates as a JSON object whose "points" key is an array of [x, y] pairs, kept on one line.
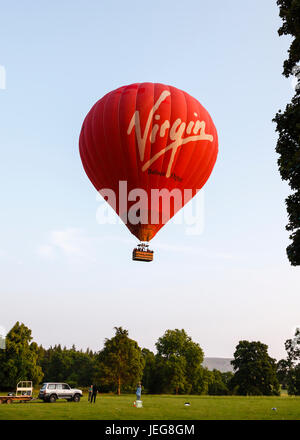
{"points": [[166, 407]]}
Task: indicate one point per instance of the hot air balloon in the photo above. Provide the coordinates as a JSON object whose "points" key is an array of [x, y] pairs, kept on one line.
{"points": [[151, 139]]}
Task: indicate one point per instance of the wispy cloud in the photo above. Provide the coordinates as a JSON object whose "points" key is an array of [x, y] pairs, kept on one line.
{"points": [[5, 256], [76, 243], [194, 251], [70, 242], [46, 251]]}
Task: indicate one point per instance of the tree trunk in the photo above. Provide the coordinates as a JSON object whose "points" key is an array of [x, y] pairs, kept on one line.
{"points": [[119, 386]]}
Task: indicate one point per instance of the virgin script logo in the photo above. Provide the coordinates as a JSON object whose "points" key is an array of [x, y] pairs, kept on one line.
{"points": [[176, 133]]}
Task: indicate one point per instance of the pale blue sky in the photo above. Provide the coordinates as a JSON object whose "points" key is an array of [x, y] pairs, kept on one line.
{"points": [[72, 280]]}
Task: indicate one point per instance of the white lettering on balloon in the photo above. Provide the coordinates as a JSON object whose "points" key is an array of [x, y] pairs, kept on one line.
{"points": [[175, 134]]}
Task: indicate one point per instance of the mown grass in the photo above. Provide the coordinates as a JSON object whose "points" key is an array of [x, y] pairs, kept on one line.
{"points": [[166, 407]]}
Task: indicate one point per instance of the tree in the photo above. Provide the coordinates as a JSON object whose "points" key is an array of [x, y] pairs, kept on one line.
{"points": [[19, 360], [292, 347], [178, 362], [148, 379], [60, 366], [217, 385], [288, 369], [288, 127], [294, 381], [202, 381], [83, 369], [283, 373], [120, 362], [289, 12], [254, 370], [67, 365]]}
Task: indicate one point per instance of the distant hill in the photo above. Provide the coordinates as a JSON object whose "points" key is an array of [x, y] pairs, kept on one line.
{"points": [[221, 364]]}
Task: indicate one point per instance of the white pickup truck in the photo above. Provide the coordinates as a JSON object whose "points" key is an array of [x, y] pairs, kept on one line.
{"points": [[51, 391]]}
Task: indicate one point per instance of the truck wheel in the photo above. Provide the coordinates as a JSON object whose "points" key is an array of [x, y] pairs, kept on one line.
{"points": [[76, 398], [52, 398]]}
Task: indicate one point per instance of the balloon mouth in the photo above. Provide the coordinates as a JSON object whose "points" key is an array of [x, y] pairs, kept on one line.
{"points": [[141, 228], [143, 232]]}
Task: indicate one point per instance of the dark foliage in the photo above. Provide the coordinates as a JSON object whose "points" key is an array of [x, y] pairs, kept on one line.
{"points": [[288, 127]]}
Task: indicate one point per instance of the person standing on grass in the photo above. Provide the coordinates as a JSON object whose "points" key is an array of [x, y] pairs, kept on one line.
{"points": [[138, 392], [94, 393], [90, 392]]}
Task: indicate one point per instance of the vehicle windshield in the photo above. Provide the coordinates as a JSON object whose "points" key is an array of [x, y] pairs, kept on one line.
{"points": [[44, 386]]}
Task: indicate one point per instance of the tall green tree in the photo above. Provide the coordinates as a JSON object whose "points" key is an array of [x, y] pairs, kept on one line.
{"points": [[202, 381], [292, 347], [149, 373], [288, 370], [254, 370], [179, 362], [67, 365], [121, 362], [288, 126], [19, 361], [217, 385], [283, 370], [60, 366]]}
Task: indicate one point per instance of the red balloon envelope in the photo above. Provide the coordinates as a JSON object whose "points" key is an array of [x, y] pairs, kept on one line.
{"points": [[152, 137]]}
